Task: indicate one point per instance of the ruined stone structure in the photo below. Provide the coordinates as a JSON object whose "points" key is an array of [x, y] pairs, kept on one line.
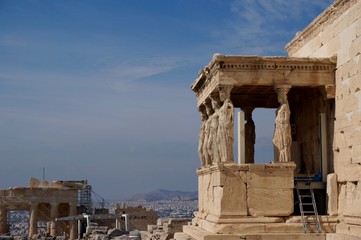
{"points": [[45, 201], [315, 92], [140, 216]]}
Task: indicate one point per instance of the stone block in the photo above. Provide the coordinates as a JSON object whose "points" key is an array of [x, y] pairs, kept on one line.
{"points": [[339, 25], [326, 34], [239, 228], [287, 236], [333, 46], [234, 201], [355, 48], [339, 139], [349, 33], [269, 180], [355, 14], [268, 202], [355, 230], [342, 228], [201, 191], [315, 43], [350, 195], [182, 236], [284, 228], [350, 67], [353, 220], [343, 122], [332, 194], [356, 152], [251, 219], [217, 178], [358, 28], [349, 173], [257, 167], [339, 236], [320, 52]]}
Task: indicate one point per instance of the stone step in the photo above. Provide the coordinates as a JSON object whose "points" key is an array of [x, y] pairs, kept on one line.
{"points": [[200, 234], [182, 236]]}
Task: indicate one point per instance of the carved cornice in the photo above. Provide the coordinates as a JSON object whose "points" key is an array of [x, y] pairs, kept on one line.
{"points": [[326, 18], [253, 70]]}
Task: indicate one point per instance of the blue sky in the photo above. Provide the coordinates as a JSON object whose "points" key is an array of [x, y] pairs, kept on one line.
{"points": [[100, 90]]}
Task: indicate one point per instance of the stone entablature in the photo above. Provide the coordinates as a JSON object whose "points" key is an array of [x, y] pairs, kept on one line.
{"points": [[21, 198], [238, 71]]}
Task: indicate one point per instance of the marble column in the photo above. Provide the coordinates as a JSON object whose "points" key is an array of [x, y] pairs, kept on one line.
{"points": [[73, 224], [282, 138], [33, 225], [3, 219], [250, 134], [54, 213]]}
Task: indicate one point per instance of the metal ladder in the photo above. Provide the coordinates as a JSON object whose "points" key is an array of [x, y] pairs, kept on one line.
{"points": [[308, 209]]}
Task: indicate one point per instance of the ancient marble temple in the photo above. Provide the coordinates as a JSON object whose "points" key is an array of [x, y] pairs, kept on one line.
{"points": [[315, 92], [232, 193]]}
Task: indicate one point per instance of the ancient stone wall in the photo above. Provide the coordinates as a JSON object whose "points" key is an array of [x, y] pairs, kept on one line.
{"points": [[337, 32]]}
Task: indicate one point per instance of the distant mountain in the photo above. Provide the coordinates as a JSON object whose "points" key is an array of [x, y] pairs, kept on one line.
{"points": [[162, 194]]}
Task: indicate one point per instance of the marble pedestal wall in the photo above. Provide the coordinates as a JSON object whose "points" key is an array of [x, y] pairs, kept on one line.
{"points": [[236, 193]]}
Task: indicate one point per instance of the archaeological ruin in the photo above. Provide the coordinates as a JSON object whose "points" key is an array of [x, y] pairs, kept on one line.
{"points": [[45, 201], [315, 92]]}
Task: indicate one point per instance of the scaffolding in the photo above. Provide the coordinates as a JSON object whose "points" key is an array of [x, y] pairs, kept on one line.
{"points": [[85, 198], [84, 194]]}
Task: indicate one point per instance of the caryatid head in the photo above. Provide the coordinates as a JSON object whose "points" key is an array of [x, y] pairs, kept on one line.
{"points": [[224, 92], [202, 110], [282, 94], [215, 101], [208, 105]]}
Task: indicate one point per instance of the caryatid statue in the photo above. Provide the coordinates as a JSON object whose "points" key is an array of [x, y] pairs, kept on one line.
{"points": [[202, 141], [212, 144], [207, 154], [225, 132], [282, 138]]}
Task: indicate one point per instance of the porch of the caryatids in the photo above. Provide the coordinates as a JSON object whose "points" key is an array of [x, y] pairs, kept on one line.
{"points": [[282, 138]]}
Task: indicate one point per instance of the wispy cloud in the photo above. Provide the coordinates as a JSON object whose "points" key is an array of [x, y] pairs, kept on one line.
{"points": [[125, 76], [263, 27]]}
